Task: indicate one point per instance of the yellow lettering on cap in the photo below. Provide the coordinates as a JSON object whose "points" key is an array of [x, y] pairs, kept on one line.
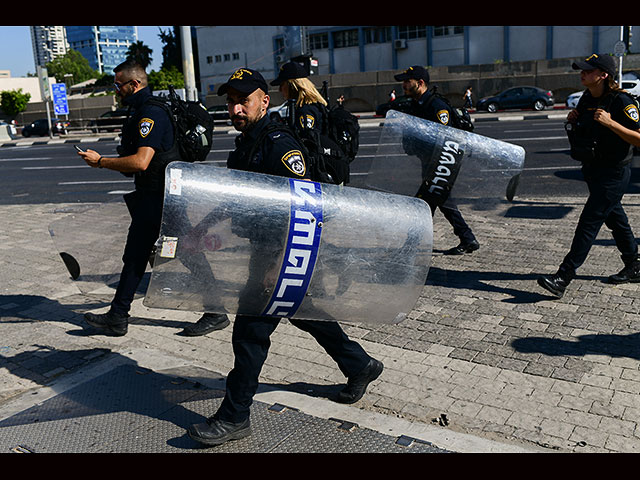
{"points": [[239, 73]]}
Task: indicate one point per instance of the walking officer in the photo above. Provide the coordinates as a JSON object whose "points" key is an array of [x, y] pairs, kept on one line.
{"points": [[415, 83], [147, 147], [279, 154], [601, 130]]}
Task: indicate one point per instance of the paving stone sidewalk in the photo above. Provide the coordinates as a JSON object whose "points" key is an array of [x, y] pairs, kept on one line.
{"points": [[485, 351]]}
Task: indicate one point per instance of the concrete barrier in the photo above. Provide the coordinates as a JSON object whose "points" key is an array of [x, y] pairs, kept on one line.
{"points": [[5, 132]]}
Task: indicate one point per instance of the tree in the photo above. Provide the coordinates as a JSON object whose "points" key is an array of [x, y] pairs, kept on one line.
{"points": [[12, 102], [140, 53], [171, 52], [71, 63], [165, 77]]}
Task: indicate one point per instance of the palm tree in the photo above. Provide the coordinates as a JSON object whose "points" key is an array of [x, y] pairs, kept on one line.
{"points": [[140, 53]]}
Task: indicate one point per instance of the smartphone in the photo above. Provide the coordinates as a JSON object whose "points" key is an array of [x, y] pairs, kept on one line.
{"points": [[78, 148]]}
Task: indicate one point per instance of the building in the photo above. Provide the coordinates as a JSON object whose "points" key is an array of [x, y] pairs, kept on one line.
{"points": [[48, 43], [104, 47], [356, 49]]}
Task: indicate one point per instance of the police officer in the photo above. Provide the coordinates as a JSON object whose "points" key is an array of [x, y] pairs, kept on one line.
{"points": [[602, 128], [309, 104], [415, 83], [146, 148], [248, 100]]}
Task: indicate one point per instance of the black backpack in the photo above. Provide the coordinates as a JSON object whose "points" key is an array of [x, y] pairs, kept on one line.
{"points": [[460, 117], [193, 126], [342, 127]]}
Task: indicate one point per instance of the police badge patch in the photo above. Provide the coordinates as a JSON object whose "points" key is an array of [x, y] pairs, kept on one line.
{"points": [[294, 161], [443, 116], [310, 121], [632, 112], [145, 126]]}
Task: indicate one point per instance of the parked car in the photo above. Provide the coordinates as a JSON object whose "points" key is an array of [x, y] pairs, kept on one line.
{"points": [[278, 113], [219, 112], [41, 127], [109, 121], [400, 104], [572, 100], [517, 98]]}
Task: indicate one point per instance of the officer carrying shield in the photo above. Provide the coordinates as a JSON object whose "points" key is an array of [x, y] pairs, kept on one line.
{"points": [[279, 154], [415, 83], [601, 131], [147, 147]]}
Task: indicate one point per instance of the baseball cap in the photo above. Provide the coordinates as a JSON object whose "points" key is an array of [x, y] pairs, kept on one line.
{"points": [[606, 63], [290, 70], [418, 72], [244, 80]]}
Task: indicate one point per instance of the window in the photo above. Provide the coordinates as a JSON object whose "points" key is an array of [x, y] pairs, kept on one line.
{"points": [[410, 32], [318, 41], [443, 31], [236, 56], [345, 38], [377, 35], [209, 59]]}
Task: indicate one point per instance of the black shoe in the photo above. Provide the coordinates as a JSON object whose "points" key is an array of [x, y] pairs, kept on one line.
{"points": [[114, 323], [464, 247], [357, 385], [209, 322], [556, 284], [216, 432], [629, 274]]}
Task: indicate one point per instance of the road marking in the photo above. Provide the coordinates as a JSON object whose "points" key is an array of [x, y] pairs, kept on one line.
{"points": [[95, 182]]}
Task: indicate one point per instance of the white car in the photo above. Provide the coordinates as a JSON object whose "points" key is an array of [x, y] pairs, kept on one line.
{"points": [[278, 113], [572, 100]]}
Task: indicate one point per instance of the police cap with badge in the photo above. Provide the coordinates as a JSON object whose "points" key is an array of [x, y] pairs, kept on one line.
{"points": [[417, 72], [290, 71], [246, 81]]}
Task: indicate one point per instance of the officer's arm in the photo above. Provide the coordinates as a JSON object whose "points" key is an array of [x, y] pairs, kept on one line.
{"points": [[627, 134], [137, 162]]}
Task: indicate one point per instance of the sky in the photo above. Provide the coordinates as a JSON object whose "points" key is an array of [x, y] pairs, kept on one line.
{"points": [[16, 53]]}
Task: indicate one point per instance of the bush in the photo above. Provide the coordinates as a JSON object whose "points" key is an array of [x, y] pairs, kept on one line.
{"points": [[13, 102]]}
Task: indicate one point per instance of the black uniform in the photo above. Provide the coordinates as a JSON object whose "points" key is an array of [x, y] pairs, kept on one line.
{"points": [[310, 116], [279, 155], [438, 111], [147, 126], [606, 160]]}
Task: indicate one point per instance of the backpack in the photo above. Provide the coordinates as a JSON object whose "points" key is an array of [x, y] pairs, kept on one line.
{"points": [[326, 161], [342, 127], [460, 117], [193, 126]]}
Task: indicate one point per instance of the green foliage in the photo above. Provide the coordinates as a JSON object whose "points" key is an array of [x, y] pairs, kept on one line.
{"points": [[165, 77], [140, 53], [12, 102], [71, 63]]}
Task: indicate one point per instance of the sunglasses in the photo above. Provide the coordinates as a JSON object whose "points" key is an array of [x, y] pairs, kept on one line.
{"points": [[119, 86]]}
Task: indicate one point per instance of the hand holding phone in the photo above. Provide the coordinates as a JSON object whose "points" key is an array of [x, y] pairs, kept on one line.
{"points": [[78, 148]]}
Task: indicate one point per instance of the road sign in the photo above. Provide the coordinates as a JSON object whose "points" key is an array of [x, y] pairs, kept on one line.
{"points": [[619, 48], [60, 105]]}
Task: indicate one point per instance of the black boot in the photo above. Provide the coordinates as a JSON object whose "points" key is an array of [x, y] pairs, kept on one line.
{"points": [[629, 274], [115, 323], [216, 432], [557, 283], [208, 323], [464, 247], [357, 384]]}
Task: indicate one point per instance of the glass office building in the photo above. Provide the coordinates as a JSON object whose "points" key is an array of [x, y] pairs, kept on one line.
{"points": [[104, 47]]}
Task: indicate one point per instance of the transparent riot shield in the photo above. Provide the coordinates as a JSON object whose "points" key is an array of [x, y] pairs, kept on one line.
{"points": [[252, 244], [90, 240], [441, 163]]}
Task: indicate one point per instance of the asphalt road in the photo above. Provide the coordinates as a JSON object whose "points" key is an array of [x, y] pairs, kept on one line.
{"points": [[54, 173]]}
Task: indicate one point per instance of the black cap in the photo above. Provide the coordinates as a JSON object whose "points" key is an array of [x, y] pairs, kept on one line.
{"points": [[418, 72], [606, 63], [290, 70], [244, 80]]}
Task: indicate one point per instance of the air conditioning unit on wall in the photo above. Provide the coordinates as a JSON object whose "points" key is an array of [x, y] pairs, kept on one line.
{"points": [[400, 43]]}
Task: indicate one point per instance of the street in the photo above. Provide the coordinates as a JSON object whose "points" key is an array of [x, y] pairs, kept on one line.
{"points": [[44, 173]]}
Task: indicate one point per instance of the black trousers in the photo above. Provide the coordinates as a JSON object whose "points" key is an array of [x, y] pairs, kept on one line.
{"points": [[606, 189], [251, 342], [454, 217], [145, 209]]}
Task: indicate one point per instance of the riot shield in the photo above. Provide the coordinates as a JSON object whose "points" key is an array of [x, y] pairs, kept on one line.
{"points": [[90, 240], [253, 244], [440, 163]]}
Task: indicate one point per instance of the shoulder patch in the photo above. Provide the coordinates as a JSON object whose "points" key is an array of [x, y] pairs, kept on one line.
{"points": [[632, 112], [294, 161], [307, 121], [443, 117], [145, 126]]}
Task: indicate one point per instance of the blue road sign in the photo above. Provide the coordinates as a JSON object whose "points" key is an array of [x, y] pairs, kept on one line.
{"points": [[60, 105]]}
